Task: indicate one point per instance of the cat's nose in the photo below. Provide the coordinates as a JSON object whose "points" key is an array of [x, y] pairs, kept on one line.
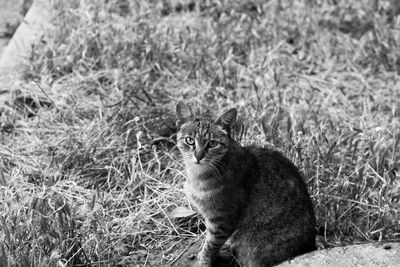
{"points": [[199, 155]]}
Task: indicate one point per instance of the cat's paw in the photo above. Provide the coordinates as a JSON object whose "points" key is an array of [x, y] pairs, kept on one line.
{"points": [[202, 264], [202, 261]]}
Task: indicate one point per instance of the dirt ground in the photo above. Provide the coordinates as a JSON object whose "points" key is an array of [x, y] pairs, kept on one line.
{"points": [[186, 255]]}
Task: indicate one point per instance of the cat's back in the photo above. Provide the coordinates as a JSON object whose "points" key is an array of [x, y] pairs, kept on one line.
{"points": [[273, 162], [279, 222], [279, 186]]}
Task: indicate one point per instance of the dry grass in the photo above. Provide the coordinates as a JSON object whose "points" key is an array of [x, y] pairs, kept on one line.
{"points": [[88, 168]]}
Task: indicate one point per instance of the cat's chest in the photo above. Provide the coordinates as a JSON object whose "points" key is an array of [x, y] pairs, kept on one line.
{"points": [[200, 191], [202, 195]]}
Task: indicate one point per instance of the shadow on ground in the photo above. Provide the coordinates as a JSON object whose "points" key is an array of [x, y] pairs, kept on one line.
{"points": [[188, 257]]}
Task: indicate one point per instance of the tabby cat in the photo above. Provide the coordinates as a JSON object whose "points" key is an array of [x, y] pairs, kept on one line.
{"points": [[253, 195]]}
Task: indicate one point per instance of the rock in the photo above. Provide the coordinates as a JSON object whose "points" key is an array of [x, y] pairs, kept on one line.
{"points": [[12, 57], [34, 25], [10, 16], [372, 254]]}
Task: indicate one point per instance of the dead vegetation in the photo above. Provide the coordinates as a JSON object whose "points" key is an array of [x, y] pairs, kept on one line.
{"points": [[88, 169]]}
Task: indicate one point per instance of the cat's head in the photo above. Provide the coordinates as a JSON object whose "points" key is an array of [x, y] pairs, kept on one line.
{"points": [[203, 142]]}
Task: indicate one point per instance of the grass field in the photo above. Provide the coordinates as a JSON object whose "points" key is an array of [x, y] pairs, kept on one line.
{"points": [[88, 168]]}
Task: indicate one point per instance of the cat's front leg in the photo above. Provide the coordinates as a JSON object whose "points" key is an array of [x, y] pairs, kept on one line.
{"points": [[215, 238]]}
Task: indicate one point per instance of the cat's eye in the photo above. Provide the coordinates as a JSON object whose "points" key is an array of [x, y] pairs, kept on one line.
{"points": [[189, 141], [213, 144]]}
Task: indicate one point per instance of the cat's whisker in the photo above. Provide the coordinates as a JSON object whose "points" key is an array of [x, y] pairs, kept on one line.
{"points": [[217, 171], [212, 170], [213, 167]]}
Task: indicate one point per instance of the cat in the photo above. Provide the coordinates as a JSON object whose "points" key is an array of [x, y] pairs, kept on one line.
{"points": [[252, 195]]}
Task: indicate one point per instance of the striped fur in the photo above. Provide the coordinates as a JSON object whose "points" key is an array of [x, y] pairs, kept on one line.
{"points": [[252, 195]]}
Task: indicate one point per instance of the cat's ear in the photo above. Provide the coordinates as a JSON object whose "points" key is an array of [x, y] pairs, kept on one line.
{"points": [[227, 119], [183, 113]]}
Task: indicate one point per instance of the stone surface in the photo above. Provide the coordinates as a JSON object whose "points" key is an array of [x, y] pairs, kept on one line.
{"points": [[3, 44], [10, 17], [364, 255], [33, 26], [378, 254]]}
